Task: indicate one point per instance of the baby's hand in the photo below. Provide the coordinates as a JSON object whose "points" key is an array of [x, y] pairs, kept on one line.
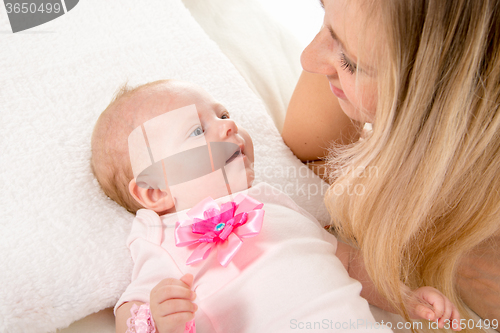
{"points": [[171, 303], [433, 305]]}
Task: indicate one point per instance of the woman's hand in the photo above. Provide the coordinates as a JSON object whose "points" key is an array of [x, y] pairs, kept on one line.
{"points": [[171, 303]]}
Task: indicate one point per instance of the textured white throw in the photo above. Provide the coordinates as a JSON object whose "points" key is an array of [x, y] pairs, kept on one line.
{"points": [[63, 253]]}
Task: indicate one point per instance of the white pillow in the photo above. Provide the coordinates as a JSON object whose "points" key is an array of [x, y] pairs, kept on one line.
{"points": [[266, 54], [63, 252]]}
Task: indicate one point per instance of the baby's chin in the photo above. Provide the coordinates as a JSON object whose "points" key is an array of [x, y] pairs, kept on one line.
{"points": [[239, 174], [250, 178]]}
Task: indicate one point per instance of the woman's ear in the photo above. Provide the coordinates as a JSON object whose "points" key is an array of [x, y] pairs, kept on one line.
{"points": [[154, 199]]}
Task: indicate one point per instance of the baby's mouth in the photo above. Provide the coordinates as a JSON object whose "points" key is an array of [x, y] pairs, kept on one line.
{"points": [[233, 157]]}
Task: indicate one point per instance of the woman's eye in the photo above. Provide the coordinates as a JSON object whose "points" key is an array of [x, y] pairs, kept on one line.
{"points": [[225, 115], [346, 64], [197, 132]]}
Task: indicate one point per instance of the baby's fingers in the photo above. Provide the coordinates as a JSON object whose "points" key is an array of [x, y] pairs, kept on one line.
{"points": [[450, 316], [164, 293], [174, 306], [188, 280], [423, 311], [446, 313], [455, 318], [434, 298], [175, 282], [175, 322]]}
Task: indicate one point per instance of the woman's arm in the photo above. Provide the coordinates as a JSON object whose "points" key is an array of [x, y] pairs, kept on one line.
{"points": [[354, 265], [478, 279], [314, 119], [428, 303]]}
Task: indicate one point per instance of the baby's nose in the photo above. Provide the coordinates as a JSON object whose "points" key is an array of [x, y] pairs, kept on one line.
{"points": [[228, 128]]}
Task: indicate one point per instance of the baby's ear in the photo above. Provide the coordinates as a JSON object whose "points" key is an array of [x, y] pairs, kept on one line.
{"points": [[155, 199]]}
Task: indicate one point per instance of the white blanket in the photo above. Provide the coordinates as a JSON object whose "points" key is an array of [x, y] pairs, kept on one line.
{"points": [[63, 248]]}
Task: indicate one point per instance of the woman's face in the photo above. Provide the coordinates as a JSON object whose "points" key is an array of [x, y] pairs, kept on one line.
{"points": [[347, 57]]}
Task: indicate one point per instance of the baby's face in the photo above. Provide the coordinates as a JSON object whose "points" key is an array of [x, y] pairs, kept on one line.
{"points": [[213, 125], [183, 120]]}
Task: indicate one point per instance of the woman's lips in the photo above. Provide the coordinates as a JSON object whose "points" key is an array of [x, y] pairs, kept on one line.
{"points": [[337, 92]]}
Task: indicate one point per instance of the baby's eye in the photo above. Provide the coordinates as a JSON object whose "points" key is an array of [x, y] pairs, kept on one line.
{"points": [[197, 132], [225, 115]]}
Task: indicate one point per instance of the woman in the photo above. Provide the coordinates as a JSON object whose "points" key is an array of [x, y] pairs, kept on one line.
{"points": [[426, 74]]}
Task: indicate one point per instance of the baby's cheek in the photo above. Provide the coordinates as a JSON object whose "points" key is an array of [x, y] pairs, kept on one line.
{"points": [[193, 144], [238, 173], [250, 176], [248, 144]]}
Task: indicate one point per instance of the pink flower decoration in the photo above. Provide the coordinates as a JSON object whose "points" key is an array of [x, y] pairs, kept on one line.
{"points": [[224, 228]]}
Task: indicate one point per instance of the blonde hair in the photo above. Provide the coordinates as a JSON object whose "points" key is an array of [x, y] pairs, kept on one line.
{"points": [[435, 145], [110, 161]]}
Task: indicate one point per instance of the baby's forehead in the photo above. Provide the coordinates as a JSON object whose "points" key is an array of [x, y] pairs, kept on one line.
{"points": [[161, 136], [171, 122], [153, 101]]}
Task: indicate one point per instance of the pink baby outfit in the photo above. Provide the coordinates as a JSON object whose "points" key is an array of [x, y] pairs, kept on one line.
{"points": [[285, 279]]}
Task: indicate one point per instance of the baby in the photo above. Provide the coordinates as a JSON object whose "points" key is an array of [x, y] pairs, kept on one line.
{"points": [[268, 266]]}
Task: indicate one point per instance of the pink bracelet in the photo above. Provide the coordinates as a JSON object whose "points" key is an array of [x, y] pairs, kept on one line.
{"points": [[141, 320], [190, 327]]}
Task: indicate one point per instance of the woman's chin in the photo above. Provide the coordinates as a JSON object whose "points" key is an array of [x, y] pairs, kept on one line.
{"points": [[354, 113]]}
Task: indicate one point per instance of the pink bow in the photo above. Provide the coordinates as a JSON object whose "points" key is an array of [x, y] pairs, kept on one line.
{"points": [[223, 228]]}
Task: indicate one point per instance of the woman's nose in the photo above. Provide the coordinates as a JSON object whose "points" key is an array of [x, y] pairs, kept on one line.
{"points": [[227, 128], [317, 56]]}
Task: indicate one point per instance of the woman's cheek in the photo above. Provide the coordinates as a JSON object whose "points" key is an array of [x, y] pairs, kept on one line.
{"points": [[363, 99], [354, 107], [369, 102], [352, 97]]}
